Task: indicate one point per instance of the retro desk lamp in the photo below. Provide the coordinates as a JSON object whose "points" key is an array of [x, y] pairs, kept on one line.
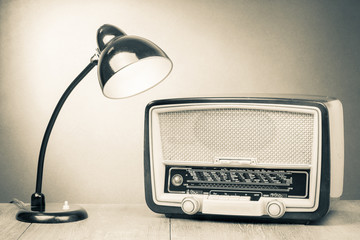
{"points": [[127, 65]]}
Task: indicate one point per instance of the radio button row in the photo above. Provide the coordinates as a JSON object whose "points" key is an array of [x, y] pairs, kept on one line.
{"points": [[233, 198]]}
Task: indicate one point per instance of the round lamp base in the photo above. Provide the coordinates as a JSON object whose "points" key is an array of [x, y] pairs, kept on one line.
{"points": [[54, 213]]}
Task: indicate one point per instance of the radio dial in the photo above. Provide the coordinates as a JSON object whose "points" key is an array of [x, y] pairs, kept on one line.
{"points": [[275, 209], [190, 205]]}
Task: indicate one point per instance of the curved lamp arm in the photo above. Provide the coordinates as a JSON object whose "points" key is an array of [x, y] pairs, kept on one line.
{"points": [[38, 199]]}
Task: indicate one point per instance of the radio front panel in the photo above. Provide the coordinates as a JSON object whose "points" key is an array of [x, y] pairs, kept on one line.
{"points": [[237, 182], [225, 157]]}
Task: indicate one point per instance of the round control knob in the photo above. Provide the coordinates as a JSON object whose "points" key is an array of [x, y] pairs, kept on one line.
{"points": [[177, 180], [190, 205], [275, 209]]}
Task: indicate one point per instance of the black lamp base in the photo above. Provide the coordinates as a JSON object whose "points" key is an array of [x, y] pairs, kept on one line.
{"points": [[54, 213]]}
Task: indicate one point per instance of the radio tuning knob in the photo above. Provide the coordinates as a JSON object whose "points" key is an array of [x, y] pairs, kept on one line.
{"points": [[275, 209], [177, 180], [190, 205]]}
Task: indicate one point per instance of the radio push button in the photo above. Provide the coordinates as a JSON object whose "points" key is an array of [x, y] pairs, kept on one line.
{"points": [[190, 205], [275, 209]]}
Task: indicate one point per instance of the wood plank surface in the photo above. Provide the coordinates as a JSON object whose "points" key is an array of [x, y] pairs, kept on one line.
{"points": [[10, 228], [106, 222], [342, 222], [138, 222]]}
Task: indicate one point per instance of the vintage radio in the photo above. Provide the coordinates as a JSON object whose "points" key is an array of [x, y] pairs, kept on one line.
{"points": [[249, 157]]}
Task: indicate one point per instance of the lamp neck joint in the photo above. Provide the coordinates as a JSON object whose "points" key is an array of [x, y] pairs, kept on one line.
{"points": [[95, 57]]}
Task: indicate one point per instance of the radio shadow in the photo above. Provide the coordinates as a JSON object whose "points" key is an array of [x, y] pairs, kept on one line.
{"points": [[234, 219], [339, 217]]}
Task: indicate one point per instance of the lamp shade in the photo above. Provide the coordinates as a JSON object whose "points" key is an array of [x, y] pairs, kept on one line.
{"points": [[129, 65]]}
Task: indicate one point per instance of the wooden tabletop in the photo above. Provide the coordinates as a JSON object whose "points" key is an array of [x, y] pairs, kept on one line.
{"points": [[138, 222]]}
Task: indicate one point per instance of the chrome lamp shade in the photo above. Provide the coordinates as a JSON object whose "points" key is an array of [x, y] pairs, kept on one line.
{"points": [[127, 65]]}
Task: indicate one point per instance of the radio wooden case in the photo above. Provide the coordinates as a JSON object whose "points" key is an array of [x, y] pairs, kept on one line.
{"points": [[268, 158]]}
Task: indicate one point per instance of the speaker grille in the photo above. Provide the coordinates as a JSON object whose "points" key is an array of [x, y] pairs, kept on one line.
{"points": [[271, 137]]}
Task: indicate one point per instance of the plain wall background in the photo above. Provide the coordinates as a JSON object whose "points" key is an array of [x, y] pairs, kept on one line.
{"points": [[95, 153]]}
